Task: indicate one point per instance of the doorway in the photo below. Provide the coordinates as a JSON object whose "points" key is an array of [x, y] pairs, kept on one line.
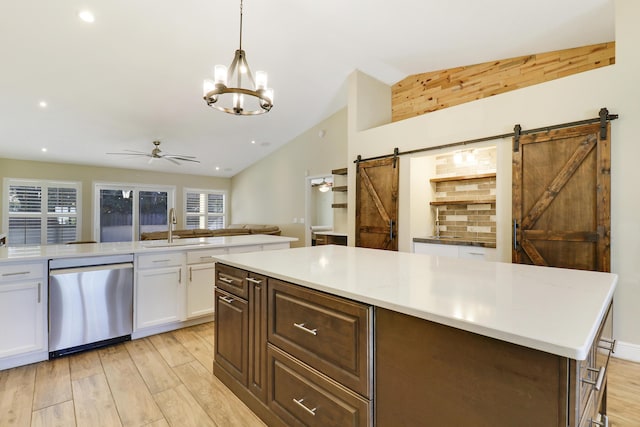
{"points": [[318, 211]]}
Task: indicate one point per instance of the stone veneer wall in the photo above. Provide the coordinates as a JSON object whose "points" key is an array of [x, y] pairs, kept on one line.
{"points": [[472, 221]]}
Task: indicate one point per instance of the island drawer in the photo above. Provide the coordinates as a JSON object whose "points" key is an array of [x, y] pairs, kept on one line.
{"points": [[163, 259], [301, 396], [22, 271], [331, 334], [232, 280], [204, 255]]}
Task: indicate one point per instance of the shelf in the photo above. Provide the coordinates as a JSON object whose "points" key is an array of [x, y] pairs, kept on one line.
{"points": [[464, 177], [341, 171], [339, 205], [462, 202], [339, 188]]}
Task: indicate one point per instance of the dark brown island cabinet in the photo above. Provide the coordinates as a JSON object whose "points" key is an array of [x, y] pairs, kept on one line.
{"points": [[301, 357]]}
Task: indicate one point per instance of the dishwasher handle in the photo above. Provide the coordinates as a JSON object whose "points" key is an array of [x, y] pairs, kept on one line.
{"points": [[75, 270]]}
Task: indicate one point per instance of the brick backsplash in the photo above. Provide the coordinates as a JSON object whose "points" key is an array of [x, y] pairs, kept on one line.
{"points": [[473, 221]]}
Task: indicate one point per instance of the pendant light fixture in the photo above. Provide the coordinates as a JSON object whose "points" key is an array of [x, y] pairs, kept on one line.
{"points": [[219, 95]]}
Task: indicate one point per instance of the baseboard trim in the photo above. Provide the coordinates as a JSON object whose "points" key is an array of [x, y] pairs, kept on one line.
{"points": [[153, 330], [627, 351]]}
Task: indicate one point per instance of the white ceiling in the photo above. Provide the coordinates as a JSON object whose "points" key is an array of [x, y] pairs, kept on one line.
{"points": [[135, 74]]}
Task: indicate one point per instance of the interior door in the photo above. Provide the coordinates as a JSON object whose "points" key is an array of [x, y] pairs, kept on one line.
{"points": [[377, 204], [561, 198]]}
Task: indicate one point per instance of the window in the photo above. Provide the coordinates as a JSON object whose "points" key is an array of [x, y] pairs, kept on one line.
{"points": [[41, 212], [205, 209], [125, 211]]}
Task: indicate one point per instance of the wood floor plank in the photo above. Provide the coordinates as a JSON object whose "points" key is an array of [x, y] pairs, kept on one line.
{"points": [[216, 399], [159, 423], [181, 409], [93, 403], [154, 370], [623, 393], [84, 365], [134, 402], [206, 331], [171, 350], [59, 415], [53, 383], [16, 396], [199, 348]]}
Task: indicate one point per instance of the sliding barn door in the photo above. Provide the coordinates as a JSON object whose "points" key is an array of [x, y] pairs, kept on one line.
{"points": [[377, 204], [561, 198]]}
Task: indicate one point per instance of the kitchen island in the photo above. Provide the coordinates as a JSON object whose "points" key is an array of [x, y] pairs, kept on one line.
{"points": [[434, 340]]}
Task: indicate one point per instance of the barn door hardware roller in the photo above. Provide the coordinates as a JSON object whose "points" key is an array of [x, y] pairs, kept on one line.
{"points": [[604, 118]]}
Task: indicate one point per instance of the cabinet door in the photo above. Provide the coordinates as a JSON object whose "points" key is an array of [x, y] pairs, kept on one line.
{"points": [[159, 296], [22, 311], [232, 330], [435, 249], [200, 289], [257, 335]]}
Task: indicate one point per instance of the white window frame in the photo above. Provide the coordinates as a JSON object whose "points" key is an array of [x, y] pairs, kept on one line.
{"points": [[205, 215], [135, 191], [44, 213]]}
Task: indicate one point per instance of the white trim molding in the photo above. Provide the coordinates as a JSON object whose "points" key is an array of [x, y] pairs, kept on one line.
{"points": [[627, 351]]}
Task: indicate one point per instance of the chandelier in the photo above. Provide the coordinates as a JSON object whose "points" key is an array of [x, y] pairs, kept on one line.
{"points": [[219, 95]]}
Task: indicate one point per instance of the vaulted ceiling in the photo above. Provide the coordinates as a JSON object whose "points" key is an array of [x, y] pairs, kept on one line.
{"points": [[135, 74]]}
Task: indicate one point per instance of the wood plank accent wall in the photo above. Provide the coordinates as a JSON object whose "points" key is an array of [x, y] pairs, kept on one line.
{"points": [[423, 93]]}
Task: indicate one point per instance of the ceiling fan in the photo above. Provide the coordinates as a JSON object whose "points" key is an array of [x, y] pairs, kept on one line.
{"points": [[156, 153]]}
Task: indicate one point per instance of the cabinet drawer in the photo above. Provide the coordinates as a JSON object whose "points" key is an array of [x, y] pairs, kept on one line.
{"points": [[204, 255], [302, 396], [160, 260], [231, 339], [232, 280], [13, 272], [330, 334]]}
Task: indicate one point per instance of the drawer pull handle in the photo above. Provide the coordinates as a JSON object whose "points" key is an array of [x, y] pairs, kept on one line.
{"points": [[228, 300], [597, 384], [255, 281], [307, 330], [19, 273], [476, 253], [207, 257], [39, 292], [303, 406], [225, 280], [608, 344], [161, 260], [603, 423]]}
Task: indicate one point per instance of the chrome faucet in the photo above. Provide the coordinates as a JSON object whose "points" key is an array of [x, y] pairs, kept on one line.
{"points": [[437, 223], [172, 220]]}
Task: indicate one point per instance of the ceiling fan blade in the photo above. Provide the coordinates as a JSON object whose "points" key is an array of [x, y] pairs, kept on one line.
{"points": [[179, 156], [171, 160], [130, 154], [183, 159]]}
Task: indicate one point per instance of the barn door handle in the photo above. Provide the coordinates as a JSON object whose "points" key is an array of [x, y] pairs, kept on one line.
{"points": [[515, 235], [391, 229]]}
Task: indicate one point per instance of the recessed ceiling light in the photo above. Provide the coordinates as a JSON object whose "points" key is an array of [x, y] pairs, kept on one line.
{"points": [[217, 168], [253, 142], [86, 16], [44, 150], [42, 104]]}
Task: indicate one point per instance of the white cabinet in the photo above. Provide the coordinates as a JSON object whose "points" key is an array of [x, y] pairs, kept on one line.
{"points": [[201, 281], [159, 290], [23, 314], [456, 251]]}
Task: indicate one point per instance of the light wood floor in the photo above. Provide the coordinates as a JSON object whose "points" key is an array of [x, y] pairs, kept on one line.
{"points": [[167, 380]]}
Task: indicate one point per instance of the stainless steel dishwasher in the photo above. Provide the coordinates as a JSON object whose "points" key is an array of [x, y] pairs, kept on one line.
{"points": [[90, 302]]}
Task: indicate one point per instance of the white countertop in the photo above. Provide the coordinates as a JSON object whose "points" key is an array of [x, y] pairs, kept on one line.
{"points": [[21, 253], [549, 309], [331, 233]]}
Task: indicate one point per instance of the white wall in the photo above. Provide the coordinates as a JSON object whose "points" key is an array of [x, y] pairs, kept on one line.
{"points": [[272, 191], [568, 99]]}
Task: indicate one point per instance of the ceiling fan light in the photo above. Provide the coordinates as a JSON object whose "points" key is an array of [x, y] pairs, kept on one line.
{"points": [[324, 188]]}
